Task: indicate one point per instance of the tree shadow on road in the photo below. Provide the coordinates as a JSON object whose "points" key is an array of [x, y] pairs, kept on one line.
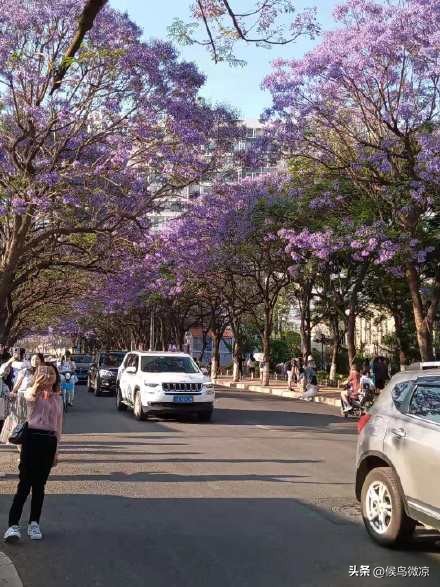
{"points": [[112, 541], [159, 477], [323, 422]]}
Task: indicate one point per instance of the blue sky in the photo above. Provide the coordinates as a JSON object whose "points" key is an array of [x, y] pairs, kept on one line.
{"points": [[239, 87]]}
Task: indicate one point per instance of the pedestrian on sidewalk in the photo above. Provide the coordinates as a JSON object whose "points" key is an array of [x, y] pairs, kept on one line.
{"points": [[240, 364], [298, 370], [289, 367], [39, 450], [4, 393], [251, 364], [380, 372]]}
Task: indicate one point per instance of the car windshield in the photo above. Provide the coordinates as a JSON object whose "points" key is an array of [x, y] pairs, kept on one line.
{"points": [[82, 358], [111, 359], [168, 365]]}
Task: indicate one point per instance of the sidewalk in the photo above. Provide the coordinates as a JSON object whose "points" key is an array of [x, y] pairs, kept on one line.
{"points": [[326, 395], [8, 574]]}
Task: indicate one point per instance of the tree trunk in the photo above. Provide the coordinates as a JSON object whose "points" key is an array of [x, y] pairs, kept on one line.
{"points": [[265, 340], [215, 359], [265, 374], [305, 328], [423, 323], [237, 355], [237, 348], [179, 338], [336, 344], [162, 336], [351, 337], [4, 328], [401, 340]]}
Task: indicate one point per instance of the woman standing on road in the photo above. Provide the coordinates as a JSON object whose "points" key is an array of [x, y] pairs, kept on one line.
{"points": [[39, 450]]}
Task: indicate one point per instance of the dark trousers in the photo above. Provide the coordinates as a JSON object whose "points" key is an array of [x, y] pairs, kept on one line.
{"points": [[36, 460]]}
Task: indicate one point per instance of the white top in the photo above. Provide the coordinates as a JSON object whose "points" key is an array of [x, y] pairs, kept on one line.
{"points": [[16, 366], [365, 380], [66, 366]]}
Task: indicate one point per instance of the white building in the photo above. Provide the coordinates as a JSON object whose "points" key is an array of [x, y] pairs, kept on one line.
{"points": [[175, 205]]}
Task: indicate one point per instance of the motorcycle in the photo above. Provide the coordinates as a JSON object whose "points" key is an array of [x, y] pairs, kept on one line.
{"points": [[67, 388], [361, 404]]}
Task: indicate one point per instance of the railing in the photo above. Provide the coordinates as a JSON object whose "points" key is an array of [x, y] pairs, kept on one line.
{"points": [[274, 376]]}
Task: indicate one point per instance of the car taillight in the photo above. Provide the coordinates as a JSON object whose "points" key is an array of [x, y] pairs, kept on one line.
{"points": [[362, 422]]}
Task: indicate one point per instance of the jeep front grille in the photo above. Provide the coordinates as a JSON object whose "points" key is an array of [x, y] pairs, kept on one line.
{"points": [[182, 387]]}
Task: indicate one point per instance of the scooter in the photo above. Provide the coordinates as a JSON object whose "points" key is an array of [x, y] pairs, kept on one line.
{"points": [[67, 388], [362, 404]]}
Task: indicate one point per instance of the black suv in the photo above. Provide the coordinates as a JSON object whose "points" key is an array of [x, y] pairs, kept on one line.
{"points": [[103, 372], [82, 362]]}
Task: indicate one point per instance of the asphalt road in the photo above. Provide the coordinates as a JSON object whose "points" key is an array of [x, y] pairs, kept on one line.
{"points": [[261, 497]]}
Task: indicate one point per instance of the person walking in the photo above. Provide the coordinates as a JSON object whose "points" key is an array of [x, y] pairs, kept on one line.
{"points": [[298, 370], [289, 367], [251, 364], [4, 394], [380, 372], [39, 450], [18, 364], [6, 371], [65, 366], [308, 373]]}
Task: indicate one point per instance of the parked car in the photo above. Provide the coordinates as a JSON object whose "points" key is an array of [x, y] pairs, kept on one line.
{"points": [[164, 383], [398, 460], [82, 363], [103, 372]]}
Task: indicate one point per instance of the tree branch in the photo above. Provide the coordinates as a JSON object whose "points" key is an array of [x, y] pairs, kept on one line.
{"points": [[85, 23]]}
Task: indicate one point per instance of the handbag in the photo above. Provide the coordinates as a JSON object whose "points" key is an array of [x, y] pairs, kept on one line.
{"points": [[19, 433], [9, 425]]}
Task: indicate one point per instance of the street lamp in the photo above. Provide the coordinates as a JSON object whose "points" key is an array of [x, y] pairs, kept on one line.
{"points": [[322, 340]]}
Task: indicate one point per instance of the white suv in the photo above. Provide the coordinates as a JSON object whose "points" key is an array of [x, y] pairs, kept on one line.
{"points": [[164, 383]]}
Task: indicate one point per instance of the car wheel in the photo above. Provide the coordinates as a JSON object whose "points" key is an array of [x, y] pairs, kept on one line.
{"points": [[120, 406], [137, 408], [383, 510], [206, 416]]}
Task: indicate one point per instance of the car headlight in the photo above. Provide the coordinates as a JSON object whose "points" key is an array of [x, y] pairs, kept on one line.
{"points": [[151, 385], [209, 388], [105, 373]]}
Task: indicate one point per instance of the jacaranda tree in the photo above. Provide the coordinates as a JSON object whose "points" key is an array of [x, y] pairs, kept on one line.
{"points": [[81, 167], [365, 105]]}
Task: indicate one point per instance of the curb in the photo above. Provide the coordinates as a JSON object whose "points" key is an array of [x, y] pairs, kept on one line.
{"points": [[320, 399], [8, 573]]}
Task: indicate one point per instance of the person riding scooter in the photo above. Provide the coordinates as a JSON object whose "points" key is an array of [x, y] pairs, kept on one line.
{"points": [[351, 390], [359, 393]]}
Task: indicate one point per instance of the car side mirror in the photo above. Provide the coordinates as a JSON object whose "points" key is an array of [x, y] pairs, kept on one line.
{"points": [[131, 370]]}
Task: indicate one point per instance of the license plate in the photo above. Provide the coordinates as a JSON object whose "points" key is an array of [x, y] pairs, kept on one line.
{"points": [[183, 399]]}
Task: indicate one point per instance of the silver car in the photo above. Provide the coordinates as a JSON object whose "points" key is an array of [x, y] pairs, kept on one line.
{"points": [[398, 457]]}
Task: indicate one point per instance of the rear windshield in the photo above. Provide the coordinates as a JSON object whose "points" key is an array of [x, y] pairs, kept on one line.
{"points": [[168, 365], [425, 402], [111, 359], [82, 358]]}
